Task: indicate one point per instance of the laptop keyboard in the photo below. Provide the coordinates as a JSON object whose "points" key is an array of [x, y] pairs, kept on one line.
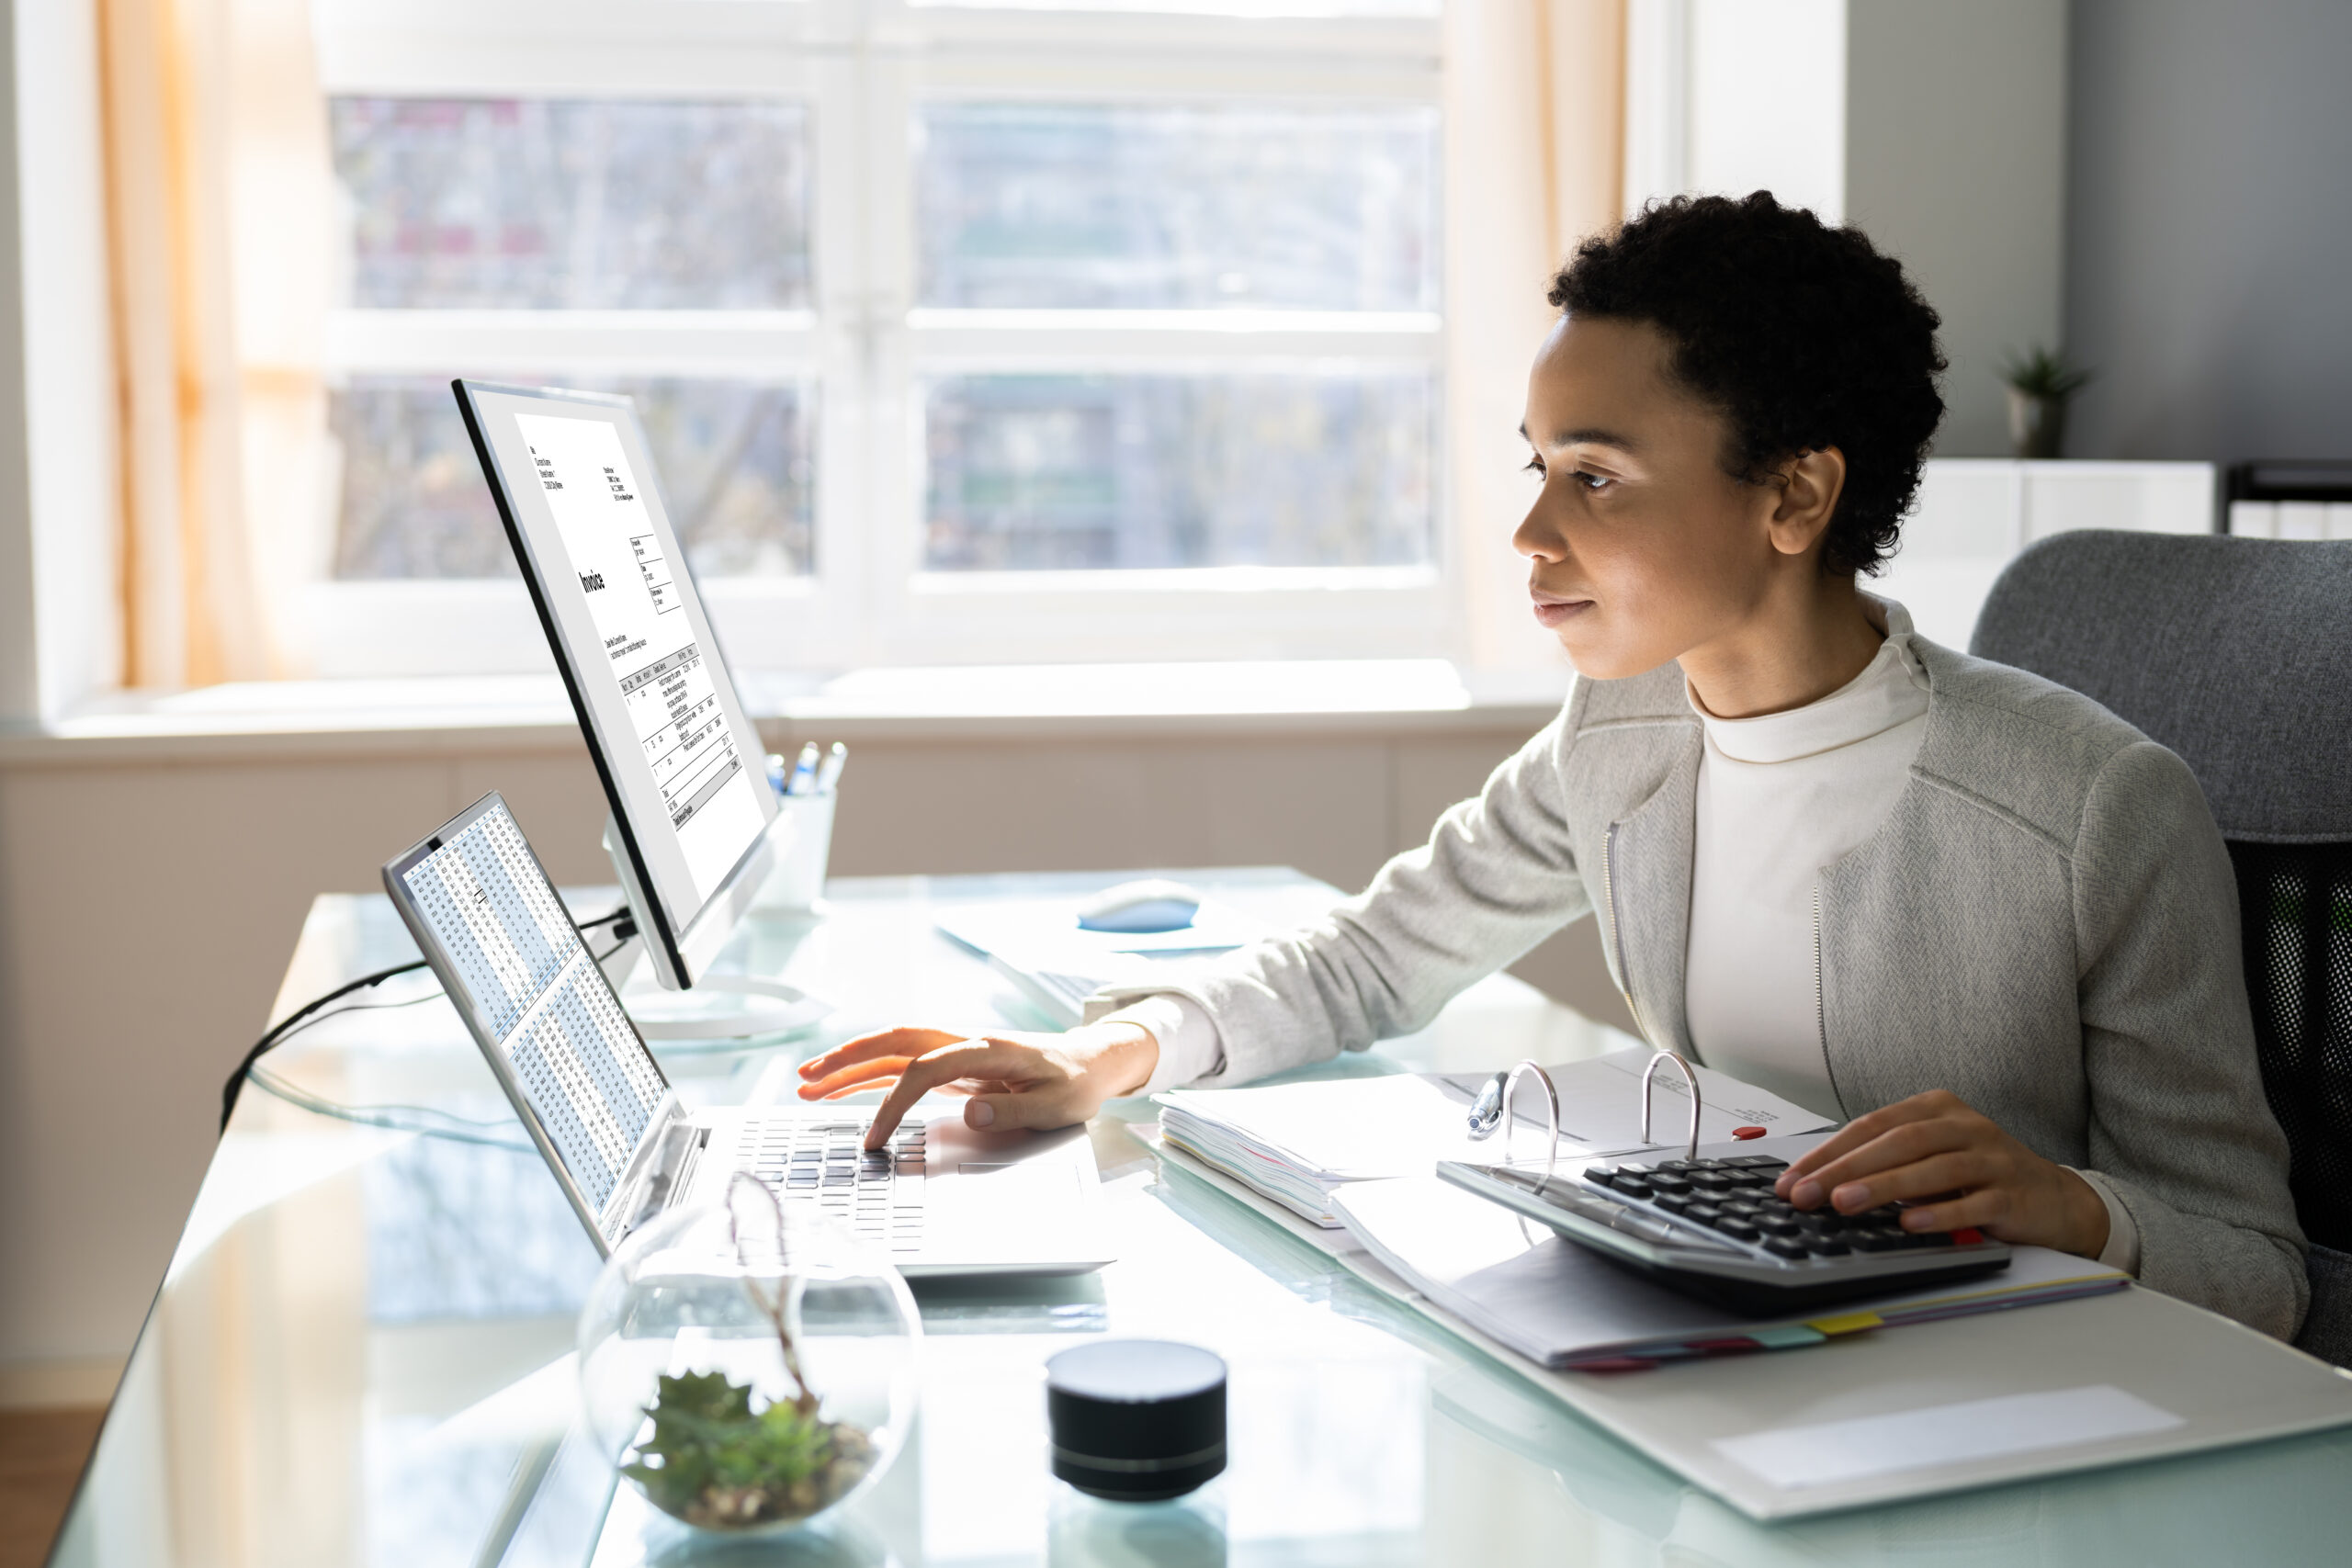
{"points": [[875, 1195]]}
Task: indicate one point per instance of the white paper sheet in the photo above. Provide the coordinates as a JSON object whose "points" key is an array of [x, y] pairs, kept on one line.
{"points": [[1829, 1452]]}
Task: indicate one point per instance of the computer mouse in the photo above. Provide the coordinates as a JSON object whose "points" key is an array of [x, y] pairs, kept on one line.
{"points": [[1153, 904]]}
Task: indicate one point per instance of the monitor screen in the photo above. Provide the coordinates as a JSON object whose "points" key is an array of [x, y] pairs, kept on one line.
{"points": [[679, 757], [513, 963]]}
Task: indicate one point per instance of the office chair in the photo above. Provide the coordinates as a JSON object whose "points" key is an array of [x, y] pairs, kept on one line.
{"points": [[2237, 654]]}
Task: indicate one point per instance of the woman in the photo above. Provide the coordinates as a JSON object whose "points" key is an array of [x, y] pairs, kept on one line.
{"points": [[1973, 913]]}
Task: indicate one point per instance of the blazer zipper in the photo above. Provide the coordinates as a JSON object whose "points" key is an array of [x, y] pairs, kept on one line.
{"points": [[1617, 935]]}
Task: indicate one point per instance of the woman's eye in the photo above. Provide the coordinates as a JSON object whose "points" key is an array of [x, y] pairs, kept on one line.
{"points": [[1534, 466], [1594, 482]]}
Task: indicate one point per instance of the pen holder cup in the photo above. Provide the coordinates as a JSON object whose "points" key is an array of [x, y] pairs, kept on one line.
{"points": [[804, 840]]}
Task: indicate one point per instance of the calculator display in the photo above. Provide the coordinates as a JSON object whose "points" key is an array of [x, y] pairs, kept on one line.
{"points": [[511, 948]]}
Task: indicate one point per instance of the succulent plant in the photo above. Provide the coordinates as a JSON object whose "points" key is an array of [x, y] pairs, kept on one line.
{"points": [[2043, 372]]}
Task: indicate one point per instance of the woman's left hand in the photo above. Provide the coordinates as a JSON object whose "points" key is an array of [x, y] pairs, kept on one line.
{"points": [[1955, 1169]]}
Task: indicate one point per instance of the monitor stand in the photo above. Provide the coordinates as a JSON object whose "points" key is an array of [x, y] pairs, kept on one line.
{"points": [[718, 1009]]}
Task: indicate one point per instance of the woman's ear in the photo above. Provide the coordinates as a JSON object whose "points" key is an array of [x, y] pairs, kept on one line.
{"points": [[1809, 485]]}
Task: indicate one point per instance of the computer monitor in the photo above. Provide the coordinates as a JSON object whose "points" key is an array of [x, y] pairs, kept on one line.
{"points": [[682, 766]]}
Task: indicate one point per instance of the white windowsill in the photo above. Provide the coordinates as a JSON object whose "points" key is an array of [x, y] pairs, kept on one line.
{"points": [[1002, 703]]}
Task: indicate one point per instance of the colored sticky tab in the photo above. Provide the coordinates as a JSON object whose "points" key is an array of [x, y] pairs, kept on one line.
{"points": [[1846, 1323], [1794, 1337]]}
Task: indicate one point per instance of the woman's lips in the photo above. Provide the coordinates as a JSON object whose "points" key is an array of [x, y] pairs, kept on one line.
{"points": [[1554, 611]]}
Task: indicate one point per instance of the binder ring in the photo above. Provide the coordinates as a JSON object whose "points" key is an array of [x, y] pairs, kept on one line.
{"points": [[1688, 1076], [1493, 1110]]}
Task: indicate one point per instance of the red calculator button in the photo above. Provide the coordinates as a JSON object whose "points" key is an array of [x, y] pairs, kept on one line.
{"points": [[1968, 1236], [1747, 1132]]}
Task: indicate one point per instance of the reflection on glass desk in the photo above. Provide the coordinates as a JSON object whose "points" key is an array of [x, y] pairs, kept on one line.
{"points": [[361, 1352]]}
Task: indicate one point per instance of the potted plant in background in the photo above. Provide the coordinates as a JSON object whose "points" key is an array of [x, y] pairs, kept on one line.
{"points": [[2039, 382]]}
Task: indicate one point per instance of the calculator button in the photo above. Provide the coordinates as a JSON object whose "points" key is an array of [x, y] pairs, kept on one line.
{"points": [[1740, 1206], [1709, 1165], [1773, 1225], [1781, 1248], [1630, 1187], [1669, 1181], [1705, 1213], [1737, 1229], [1630, 1168], [1757, 1162], [1824, 1245], [1672, 1202], [1676, 1165], [1876, 1240], [1713, 1181]]}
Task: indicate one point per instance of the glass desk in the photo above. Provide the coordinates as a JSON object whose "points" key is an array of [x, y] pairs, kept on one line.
{"points": [[359, 1354]]}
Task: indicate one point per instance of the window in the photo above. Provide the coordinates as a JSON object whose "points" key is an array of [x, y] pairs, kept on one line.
{"points": [[961, 332]]}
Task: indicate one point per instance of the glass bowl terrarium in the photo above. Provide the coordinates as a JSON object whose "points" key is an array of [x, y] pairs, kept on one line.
{"points": [[748, 1366]]}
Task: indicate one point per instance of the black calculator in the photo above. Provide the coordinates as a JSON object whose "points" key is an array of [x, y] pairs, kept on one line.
{"points": [[1711, 1228]]}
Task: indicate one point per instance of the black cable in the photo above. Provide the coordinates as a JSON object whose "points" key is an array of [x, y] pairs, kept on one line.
{"points": [[292, 1024], [237, 1079]]}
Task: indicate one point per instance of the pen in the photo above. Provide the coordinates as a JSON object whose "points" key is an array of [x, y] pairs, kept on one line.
{"points": [[830, 774], [804, 771]]}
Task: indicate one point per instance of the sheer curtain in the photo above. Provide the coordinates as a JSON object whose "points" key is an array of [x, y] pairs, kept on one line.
{"points": [[1535, 118], [220, 203]]}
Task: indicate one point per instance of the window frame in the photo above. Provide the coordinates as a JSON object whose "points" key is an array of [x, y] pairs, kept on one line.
{"points": [[863, 67]]}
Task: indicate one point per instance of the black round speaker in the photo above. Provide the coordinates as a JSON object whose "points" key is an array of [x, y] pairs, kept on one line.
{"points": [[1136, 1420]]}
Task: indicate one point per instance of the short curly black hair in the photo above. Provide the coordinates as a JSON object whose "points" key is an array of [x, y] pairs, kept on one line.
{"points": [[1804, 336]]}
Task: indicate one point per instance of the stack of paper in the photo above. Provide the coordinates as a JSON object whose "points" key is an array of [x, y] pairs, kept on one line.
{"points": [[1564, 1306], [1297, 1143]]}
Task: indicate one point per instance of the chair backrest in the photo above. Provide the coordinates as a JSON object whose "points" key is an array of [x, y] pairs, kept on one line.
{"points": [[2236, 654]]}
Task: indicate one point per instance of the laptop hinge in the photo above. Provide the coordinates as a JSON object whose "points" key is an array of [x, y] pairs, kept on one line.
{"points": [[671, 1171]]}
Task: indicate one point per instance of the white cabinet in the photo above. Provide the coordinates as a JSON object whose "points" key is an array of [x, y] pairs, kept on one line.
{"points": [[2292, 519], [1976, 513]]}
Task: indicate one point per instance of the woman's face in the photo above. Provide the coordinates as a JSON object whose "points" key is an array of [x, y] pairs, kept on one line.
{"points": [[1642, 547]]}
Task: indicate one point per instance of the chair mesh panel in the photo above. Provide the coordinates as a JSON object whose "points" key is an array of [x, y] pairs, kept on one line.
{"points": [[2295, 913]]}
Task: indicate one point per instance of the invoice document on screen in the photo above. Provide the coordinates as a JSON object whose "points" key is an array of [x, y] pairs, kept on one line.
{"points": [[624, 574]]}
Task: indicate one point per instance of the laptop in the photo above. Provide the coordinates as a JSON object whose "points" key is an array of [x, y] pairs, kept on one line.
{"points": [[940, 1199]]}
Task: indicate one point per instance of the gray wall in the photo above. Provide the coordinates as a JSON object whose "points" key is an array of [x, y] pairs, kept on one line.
{"points": [[2210, 230], [1955, 163]]}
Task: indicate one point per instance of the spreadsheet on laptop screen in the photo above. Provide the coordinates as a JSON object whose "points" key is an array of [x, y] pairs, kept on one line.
{"points": [[529, 977]]}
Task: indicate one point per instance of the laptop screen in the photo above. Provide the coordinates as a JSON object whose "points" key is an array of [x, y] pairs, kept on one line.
{"points": [[515, 964]]}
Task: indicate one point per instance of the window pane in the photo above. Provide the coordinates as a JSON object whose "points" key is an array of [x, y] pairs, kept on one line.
{"points": [[1075, 472], [539, 204], [736, 459], [1074, 207]]}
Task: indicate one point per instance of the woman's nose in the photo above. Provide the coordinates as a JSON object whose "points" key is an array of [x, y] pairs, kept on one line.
{"points": [[1536, 537]]}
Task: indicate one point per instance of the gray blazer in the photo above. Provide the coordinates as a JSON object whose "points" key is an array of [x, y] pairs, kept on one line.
{"points": [[2046, 925]]}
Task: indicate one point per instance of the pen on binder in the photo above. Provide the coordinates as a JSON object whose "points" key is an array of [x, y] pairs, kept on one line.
{"points": [[829, 775], [804, 771]]}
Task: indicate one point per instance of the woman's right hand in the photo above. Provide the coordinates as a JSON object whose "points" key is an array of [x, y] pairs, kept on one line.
{"points": [[1013, 1079]]}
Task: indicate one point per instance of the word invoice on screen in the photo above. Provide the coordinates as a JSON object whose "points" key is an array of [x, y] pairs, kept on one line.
{"points": [[649, 648]]}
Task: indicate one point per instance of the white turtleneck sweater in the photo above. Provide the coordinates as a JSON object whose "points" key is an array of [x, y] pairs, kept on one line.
{"points": [[1780, 798]]}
